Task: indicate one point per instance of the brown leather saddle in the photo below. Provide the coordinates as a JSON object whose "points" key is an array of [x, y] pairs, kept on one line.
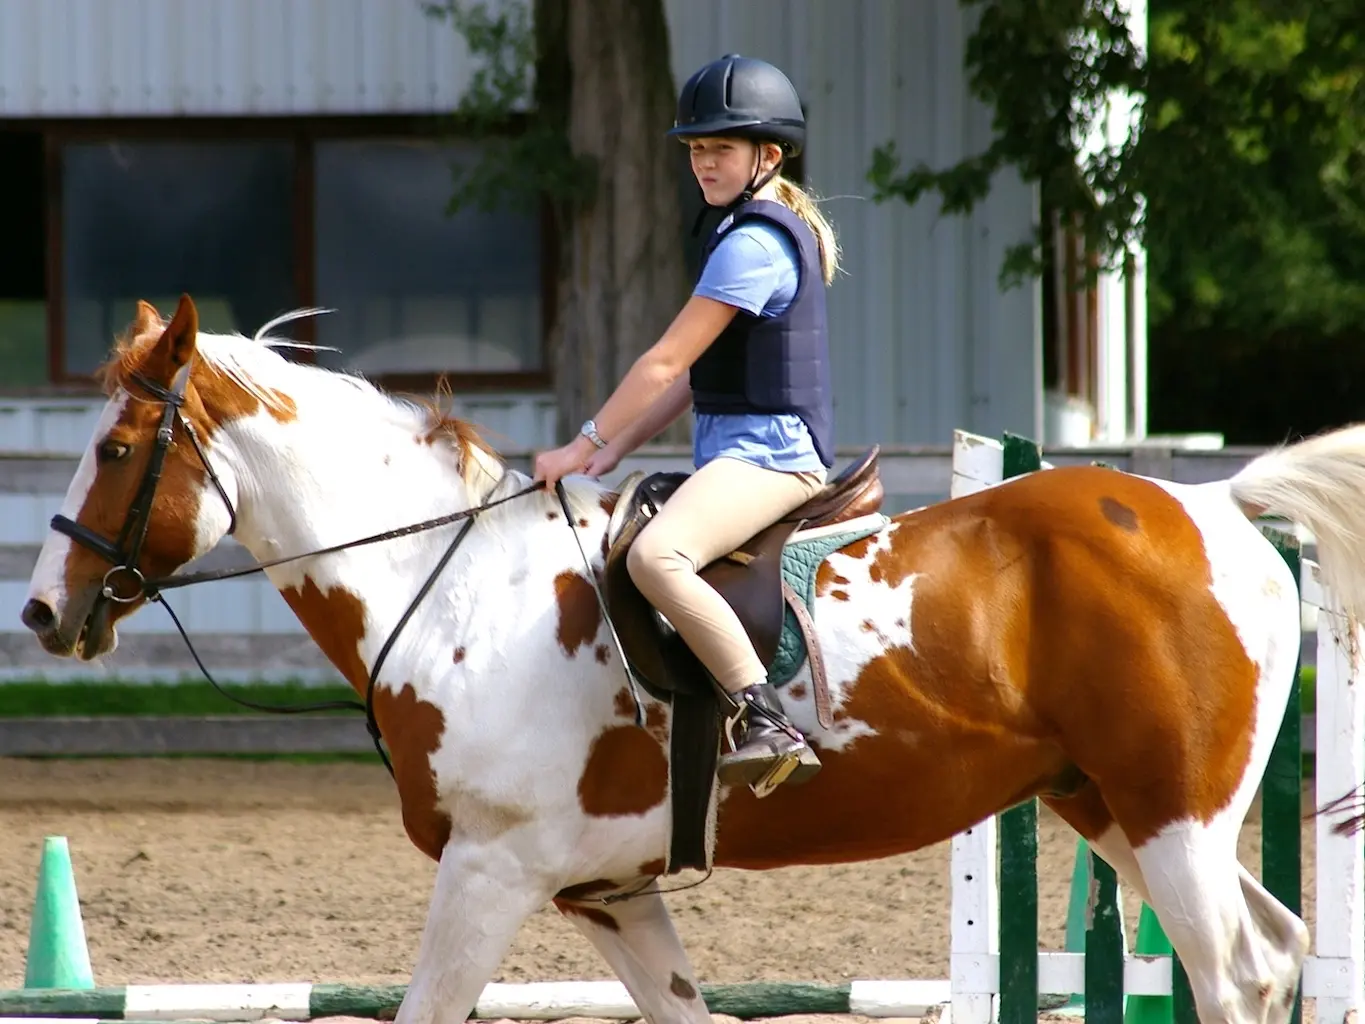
{"points": [[749, 578]]}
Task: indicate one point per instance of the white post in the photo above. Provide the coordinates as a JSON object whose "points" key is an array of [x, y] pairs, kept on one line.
{"points": [[974, 940], [1340, 944], [974, 965]]}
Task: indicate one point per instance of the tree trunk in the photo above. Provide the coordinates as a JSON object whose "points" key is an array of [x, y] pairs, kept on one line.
{"points": [[603, 72]]}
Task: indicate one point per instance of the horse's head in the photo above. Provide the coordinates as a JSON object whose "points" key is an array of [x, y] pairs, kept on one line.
{"points": [[143, 501]]}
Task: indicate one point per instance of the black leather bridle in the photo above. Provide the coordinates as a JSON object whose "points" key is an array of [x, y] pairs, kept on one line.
{"points": [[124, 552]]}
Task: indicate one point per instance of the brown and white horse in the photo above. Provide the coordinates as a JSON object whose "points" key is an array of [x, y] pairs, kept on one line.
{"points": [[1120, 646]]}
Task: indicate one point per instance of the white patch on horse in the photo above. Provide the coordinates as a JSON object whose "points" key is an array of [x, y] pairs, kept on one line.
{"points": [[1254, 586], [852, 634], [48, 582]]}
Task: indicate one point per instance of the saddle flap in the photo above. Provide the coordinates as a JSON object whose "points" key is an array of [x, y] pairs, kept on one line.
{"points": [[750, 580], [661, 661]]}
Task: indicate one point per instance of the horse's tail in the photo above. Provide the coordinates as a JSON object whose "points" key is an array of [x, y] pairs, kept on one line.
{"points": [[1320, 483]]}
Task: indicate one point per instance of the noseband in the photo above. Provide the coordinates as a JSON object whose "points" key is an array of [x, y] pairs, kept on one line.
{"points": [[124, 553]]}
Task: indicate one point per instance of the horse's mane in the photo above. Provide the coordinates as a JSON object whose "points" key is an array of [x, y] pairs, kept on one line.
{"points": [[247, 361]]}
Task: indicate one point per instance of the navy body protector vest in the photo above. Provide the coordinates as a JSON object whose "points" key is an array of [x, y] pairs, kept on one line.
{"points": [[777, 364]]}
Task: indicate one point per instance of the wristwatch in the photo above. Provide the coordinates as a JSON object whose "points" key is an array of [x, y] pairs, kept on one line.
{"points": [[589, 430]]}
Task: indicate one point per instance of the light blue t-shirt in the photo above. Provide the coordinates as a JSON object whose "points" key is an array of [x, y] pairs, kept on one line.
{"points": [[755, 267]]}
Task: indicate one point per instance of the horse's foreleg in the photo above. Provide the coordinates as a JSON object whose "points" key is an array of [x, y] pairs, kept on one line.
{"points": [[637, 939], [482, 895]]}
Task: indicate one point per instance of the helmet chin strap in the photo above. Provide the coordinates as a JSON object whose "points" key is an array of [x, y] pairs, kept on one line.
{"points": [[756, 183]]}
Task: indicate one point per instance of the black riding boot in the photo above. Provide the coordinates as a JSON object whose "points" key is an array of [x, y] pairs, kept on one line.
{"points": [[771, 750]]}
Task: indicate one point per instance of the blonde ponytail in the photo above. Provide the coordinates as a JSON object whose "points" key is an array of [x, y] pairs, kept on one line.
{"points": [[803, 204]]}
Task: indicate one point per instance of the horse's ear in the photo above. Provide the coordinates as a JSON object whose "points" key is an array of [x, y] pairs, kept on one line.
{"points": [[146, 320], [175, 347], [182, 333]]}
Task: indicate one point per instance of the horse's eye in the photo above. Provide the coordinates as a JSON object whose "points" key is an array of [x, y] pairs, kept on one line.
{"points": [[112, 451]]}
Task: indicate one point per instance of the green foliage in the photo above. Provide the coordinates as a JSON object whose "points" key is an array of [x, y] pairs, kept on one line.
{"points": [[525, 151], [1047, 68], [1244, 174]]}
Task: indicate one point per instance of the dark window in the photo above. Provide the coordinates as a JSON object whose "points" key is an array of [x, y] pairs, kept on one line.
{"points": [[23, 285], [417, 291], [145, 219]]}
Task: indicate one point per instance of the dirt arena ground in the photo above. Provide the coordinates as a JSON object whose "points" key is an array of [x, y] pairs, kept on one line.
{"points": [[220, 871]]}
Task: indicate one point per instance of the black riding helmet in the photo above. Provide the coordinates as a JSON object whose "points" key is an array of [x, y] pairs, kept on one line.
{"points": [[742, 96], [745, 97]]}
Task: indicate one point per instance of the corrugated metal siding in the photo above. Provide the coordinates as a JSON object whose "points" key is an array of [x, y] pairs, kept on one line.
{"points": [[89, 58], [924, 339]]}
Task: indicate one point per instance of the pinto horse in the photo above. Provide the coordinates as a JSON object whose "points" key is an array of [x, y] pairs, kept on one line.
{"points": [[1120, 647]]}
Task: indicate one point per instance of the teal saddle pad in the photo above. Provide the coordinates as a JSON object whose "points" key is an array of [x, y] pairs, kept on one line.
{"points": [[801, 560]]}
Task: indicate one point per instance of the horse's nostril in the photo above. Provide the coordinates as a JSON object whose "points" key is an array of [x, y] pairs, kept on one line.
{"points": [[38, 616]]}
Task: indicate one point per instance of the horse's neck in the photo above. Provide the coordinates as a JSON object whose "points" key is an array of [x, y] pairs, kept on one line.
{"points": [[316, 482], [331, 475]]}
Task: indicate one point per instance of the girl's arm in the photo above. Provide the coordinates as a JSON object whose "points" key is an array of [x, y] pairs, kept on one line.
{"points": [[660, 368], [666, 408]]}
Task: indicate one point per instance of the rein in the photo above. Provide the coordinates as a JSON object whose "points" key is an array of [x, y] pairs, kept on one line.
{"points": [[123, 553]]}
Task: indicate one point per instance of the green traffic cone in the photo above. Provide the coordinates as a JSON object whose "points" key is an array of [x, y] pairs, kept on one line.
{"points": [[1151, 941], [57, 953], [1075, 910]]}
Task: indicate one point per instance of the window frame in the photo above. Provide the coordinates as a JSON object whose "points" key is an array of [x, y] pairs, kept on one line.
{"points": [[304, 132]]}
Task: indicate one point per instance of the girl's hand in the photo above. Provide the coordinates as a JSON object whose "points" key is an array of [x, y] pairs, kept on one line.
{"points": [[603, 461], [553, 466]]}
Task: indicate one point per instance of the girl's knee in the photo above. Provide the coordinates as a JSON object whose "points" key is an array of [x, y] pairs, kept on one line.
{"points": [[649, 560], [641, 561]]}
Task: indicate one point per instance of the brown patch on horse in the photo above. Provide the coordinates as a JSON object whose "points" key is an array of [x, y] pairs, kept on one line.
{"points": [[1119, 514], [596, 915], [336, 622], [579, 616], [888, 567], [601, 653], [655, 717], [825, 578], [1013, 680], [607, 500], [681, 987], [584, 889], [652, 868], [626, 773], [458, 656], [411, 728], [860, 548]]}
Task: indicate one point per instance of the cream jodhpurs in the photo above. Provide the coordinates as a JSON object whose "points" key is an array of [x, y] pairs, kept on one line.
{"points": [[716, 509]]}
